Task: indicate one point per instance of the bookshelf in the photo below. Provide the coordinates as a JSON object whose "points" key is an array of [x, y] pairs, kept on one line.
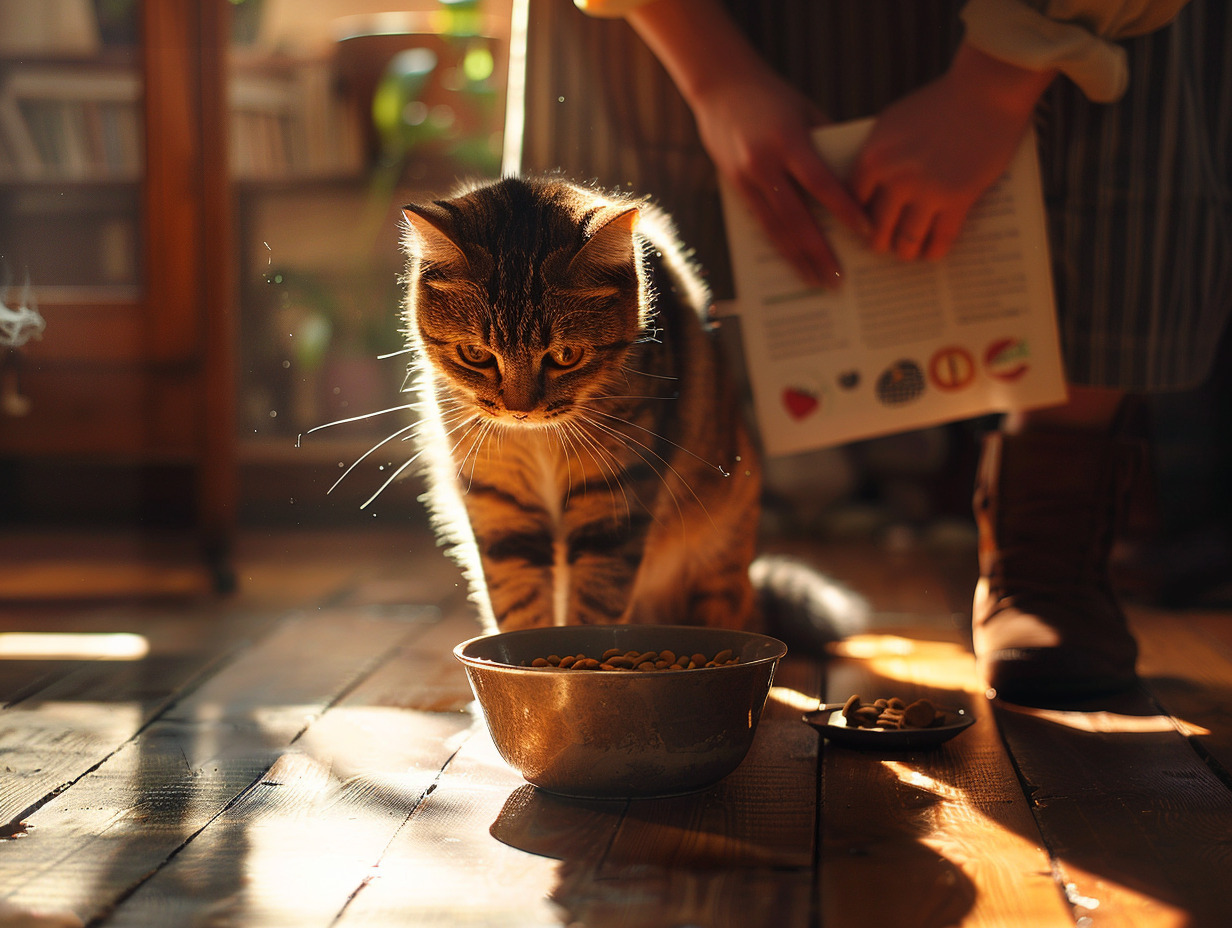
{"points": [[115, 224], [69, 122], [290, 119], [205, 197]]}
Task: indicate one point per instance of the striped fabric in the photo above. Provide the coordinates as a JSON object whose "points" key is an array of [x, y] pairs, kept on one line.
{"points": [[1138, 192], [1140, 208]]}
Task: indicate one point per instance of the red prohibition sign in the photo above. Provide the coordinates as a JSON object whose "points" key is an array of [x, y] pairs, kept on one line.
{"points": [[951, 368]]}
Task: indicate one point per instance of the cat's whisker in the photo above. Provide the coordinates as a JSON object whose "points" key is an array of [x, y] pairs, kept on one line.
{"points": [[573, 437], [630, 396], [450, 415], [394, 354], [631, 445], [554, 434], [597, 451], [408, 462], [630, 442], [455, 415], [653, 434], [472, 423], [451, 425], [458, 411], [631, 370], [392, 477], [556, 429], [666, 463], [449, 419], [367, 415], [359, 460], [484, 429], [494, 436], [485, 439]]}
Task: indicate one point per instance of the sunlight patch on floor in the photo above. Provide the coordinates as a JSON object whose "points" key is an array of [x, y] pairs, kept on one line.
{"points": [[73, 646], [1109, 722], [941, 664]]}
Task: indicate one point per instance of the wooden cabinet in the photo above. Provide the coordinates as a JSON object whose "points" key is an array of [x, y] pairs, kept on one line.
{"points": [[115, 225], [205, 195]]}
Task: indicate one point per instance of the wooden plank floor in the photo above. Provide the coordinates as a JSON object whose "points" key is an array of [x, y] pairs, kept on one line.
{"points": [[305, 753]]}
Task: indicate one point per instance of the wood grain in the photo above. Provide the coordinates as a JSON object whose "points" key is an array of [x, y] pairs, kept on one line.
{"points": [[1138, 824], [314, 828], [947, 829], [132, 808], [78, 718], [444, 868], [761, 815], [1186, 661], [324, 765]]}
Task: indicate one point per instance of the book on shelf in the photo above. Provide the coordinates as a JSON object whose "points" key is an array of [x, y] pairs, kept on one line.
{"points": [[290, 122], [900, 345], [48, 27], [79, 123]]}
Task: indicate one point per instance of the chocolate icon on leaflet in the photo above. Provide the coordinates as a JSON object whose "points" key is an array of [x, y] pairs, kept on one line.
{"points": [[849, 380], [901, 382]]}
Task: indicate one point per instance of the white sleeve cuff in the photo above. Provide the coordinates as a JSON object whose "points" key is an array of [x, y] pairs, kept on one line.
{"points": [[1014, 32]]}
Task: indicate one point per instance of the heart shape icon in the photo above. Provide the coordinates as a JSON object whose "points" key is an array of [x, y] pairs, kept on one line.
{"points": [[800, 402]]}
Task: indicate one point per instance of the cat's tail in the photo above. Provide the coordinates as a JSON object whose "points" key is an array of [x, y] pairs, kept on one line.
{"points": [[804, 607]]}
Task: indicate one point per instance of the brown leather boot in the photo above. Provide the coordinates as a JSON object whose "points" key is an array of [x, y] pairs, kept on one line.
{"points": [[1046, 625]]}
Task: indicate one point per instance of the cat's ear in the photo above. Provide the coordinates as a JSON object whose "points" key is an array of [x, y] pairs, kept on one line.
{"points": [[610, 249], [427, 241]]}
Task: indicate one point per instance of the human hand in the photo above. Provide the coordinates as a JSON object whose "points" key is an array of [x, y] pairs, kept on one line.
{"points": [[932, 154], [757, 129]]}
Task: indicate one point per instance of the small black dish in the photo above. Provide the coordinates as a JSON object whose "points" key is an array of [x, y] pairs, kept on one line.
{"points": [[829, 720]]}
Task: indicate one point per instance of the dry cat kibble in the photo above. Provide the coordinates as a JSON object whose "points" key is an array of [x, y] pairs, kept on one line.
{"points": [[617, 659], [891, 713]]}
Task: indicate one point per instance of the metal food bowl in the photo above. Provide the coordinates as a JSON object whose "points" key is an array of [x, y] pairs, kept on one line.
{"points": [[609, 734]]}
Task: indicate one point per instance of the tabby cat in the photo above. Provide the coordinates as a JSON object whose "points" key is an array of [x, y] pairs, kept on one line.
{"points": [[585, 452]]}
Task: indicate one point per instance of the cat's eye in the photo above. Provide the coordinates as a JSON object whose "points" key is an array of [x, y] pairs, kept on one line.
{"points": [[475, 355], [565, 356]]}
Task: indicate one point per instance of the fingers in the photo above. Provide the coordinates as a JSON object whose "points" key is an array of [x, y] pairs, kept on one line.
{"points": [[787, 216], [887, 209], [911, 228], [945, 231], [912, 233], [782, 212], [900, 226], [903, 221], [816, 179], [915, 214]]}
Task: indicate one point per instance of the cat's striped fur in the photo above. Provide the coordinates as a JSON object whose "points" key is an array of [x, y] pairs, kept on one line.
{"points": [[586, 455]]}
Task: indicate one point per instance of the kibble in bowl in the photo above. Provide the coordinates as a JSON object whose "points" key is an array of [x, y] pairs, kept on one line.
{"points": [[617, 659], [621, 732]]}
